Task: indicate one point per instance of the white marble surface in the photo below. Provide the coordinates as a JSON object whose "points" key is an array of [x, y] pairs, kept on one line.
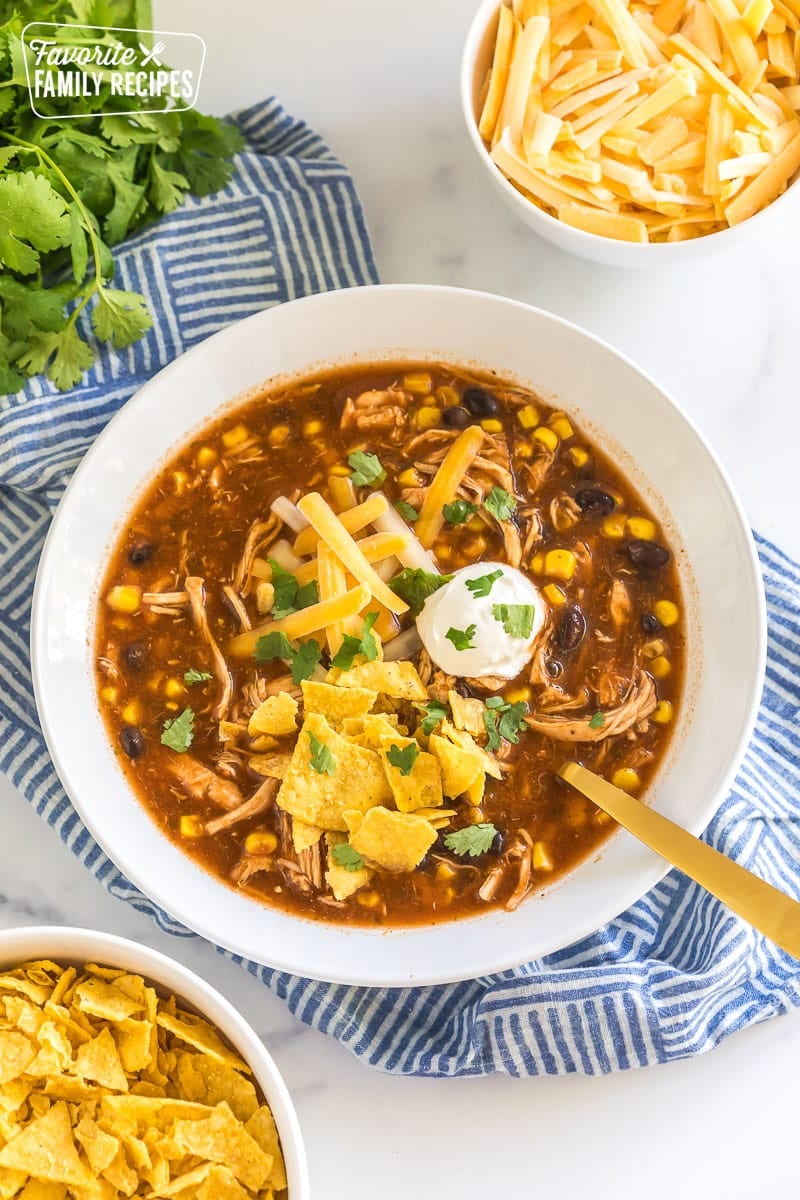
{"points": [[379, 80]]}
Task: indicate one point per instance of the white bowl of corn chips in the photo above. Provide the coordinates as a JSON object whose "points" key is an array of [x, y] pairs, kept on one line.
{"points": [[122, 1072], [637, 133]]}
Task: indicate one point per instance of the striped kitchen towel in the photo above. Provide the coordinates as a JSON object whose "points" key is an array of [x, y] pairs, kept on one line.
{"points": [[671, 977]]}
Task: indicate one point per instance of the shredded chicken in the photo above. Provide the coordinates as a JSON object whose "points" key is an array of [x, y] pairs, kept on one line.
{"points": [[202, 784], [564, 512], [196, 590], [261, 799], [492, 882], [260, 535], [520, 852], [608, 684], [295, 876], [513, 546], [487, 683], [310, 862], [619, 603], [166, 599], [637, 704], [376, 410], [530, 529], [250, 865], [235, 602], [538, 469], [108, 668]]}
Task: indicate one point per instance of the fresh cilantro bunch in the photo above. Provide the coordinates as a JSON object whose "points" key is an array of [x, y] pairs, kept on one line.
{"points": [[70, 190]]}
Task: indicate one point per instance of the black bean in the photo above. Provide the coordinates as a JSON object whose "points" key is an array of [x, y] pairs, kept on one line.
{"points": [[479, 402], [135, 655], [131, 741], [140, 551], [455, 417], [647, 554], [553, 668], [595, 501], [571, 628], [650, 622]]}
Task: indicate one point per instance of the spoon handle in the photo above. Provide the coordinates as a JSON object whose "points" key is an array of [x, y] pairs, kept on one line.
{"points": [[760, 904]]}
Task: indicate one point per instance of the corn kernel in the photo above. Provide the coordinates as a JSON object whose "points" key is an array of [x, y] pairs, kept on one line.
{"points": [[132, 713], [579, 456], [427, 417], [446, 896], [627, 779], [263, 743], [368, 899], [179, 481], [560, 425], [641, 527], [662, 714], [528, 416], [445, 873], [653, 648], [537, 563], [419, 383], [478, 546], [109, 693], [312, 428], [474, 815], [409, 478], [172, 705], [667, 612], [447, 396], [278, 435], [518, 694], [261, 841], [265, 597], [492, 425], [206, 457], [541, 858], [546, 436], [154, 682], [443, 552], [614, 525], [555, 594], [560, 563], [523, 450], [475, 523], [191, 826], [125, 598], [660, 667], [235, 436], [173, 689], [341, 471]]}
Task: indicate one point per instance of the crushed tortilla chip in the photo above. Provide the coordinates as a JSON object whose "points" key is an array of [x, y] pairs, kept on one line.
{"points": [[467, 713], [398, 679], [392, 840], [422, 787], [276, 716], [46, 1150], [220, 1138], [99, 1062], [304, 836], [342, 882], [460, 767], [336, 703], [16, 1053], [460, 737], [262, 1127]]}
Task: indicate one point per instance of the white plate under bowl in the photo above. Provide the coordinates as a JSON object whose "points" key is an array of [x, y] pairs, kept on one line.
{"points": [[625, 411], [73, 946]]}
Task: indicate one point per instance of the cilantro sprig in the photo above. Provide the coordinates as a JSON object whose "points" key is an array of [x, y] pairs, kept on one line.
{"points": [[414, 586], [500, 503], [194, 676], [459, 511], [503, 721], [598, 720], [178, 732], [70, 190], [516, 619], [483, 585], [289, 595], [366, 468], [301, 659], [407, 511], [345, 855], [462, 639], [434, 711], [322, 760], [472, 840], [403, 757], [351, 646]]}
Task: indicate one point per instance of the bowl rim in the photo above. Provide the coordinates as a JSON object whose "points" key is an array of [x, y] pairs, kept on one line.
{"points": [[348, 974], [23, 943], [587, 243]]}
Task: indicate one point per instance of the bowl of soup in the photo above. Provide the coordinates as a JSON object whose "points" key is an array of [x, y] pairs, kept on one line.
{"points": [[335, 596]]}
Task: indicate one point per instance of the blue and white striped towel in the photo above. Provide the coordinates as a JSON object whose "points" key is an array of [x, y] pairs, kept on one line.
{"points": [[671, 977]]}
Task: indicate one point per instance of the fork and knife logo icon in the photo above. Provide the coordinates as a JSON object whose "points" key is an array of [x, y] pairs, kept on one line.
{"points": [[151, 55]]}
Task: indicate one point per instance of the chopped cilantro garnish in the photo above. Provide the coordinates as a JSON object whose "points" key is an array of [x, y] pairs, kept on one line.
{"points": [[597, 721], [459, 511], [195, 676], [434, 711], [403, 757], [472, 840], [345, 855], [516, 619], [289, 596], [178, 732], [366, 468], [321, 758], [302, 660], [500, 503], [415, 586], [503, 721], [351, 646], [483, 584], [407, 511], [462, 638]]}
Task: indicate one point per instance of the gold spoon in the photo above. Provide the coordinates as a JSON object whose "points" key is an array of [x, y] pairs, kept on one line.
{"points": [[757, 902]]}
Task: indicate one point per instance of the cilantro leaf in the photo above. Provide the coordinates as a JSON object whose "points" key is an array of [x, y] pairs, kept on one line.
{"points": [[407, 511], [166, 189], [120, 317], [65, 356], [351, 646], [512, 720], [462, 638], [459, 511], [434, 711], [195, 676], [33, 218], [597, 721], [472, 840], [500, 503], [503, 720], [403, 757], [415, 586], [345, 855], [289, 596], [178, 733], [366, 468], [322, 760], [516, 619], [302, 660], [273, 645], [483, 584]]}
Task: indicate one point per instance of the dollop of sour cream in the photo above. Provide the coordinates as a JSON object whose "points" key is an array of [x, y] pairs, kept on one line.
{"points": [[456, 609]]}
